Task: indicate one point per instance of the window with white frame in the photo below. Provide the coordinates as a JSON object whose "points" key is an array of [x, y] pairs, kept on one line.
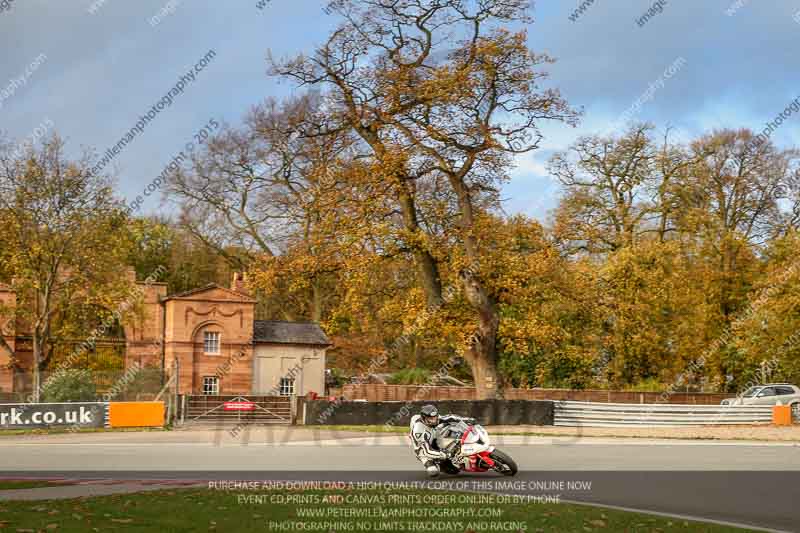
{"points": [[211, 342], [287, 387], [211, 385]]}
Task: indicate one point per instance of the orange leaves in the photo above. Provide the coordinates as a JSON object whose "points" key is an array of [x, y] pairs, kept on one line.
{"points": [[769, 327]]}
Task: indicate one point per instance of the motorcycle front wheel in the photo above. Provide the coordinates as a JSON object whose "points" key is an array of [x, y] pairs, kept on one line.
{"points": [[449, 468], [503, 463]]}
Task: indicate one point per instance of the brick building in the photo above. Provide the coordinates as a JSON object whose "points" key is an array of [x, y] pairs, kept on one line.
{"points": [[208, 335]]}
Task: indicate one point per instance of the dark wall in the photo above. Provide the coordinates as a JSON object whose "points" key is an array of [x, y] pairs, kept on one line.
{"points": [[487, 412]]}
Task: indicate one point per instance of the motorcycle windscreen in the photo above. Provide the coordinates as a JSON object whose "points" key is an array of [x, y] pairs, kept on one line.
{"points": [[447, 434]]}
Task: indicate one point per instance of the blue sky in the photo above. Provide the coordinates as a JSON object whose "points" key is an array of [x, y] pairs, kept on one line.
{"points": [[103, 70]]}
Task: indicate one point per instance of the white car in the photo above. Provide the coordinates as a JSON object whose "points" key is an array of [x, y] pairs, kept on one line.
{"points": [[770, 394]]}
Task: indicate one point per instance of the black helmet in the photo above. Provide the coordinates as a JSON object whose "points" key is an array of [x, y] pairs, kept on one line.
{"points": [[430, 415]]}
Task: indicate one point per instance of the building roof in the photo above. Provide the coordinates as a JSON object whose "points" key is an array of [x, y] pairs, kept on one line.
{"points": [[210, 286], [6, 288], [278, 332]]}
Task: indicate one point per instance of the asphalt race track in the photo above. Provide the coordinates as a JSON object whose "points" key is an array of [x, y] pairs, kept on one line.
{"points": [[741, 483]]}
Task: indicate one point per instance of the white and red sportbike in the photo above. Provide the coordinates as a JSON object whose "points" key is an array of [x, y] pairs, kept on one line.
{"points": [[470, 450]]}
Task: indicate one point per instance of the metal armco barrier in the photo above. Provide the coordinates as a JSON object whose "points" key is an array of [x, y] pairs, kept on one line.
{"points": [[627, 415]]}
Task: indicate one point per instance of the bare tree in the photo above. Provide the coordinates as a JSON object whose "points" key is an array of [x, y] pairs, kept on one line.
{"points": [[733, 201], [262, 188], [606, 183]]}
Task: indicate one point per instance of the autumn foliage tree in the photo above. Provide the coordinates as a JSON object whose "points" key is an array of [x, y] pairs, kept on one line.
{"points": [[373, 204], [65, 239], [442, 97], [680, 233]]}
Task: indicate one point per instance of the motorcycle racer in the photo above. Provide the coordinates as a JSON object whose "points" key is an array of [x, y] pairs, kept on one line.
{"points": [[423, 438]]}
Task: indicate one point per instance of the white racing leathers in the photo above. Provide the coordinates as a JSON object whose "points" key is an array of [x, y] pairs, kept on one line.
{"points": [[423, 439]]}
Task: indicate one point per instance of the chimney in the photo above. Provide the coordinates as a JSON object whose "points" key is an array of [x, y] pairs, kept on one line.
{"points": [[239, 283]]}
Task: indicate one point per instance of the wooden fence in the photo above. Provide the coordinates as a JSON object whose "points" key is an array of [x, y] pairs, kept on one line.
{"points": [[403, 393]]}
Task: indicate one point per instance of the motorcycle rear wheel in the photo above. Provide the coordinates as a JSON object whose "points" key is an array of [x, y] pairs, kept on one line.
{"points": [[504, 463]]}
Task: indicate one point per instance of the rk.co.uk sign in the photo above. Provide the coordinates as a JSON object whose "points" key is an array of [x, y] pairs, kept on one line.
{"points": [[45, 415]]}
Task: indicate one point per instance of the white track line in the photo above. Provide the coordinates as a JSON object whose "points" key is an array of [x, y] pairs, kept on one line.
{"points": [[676, 516]]}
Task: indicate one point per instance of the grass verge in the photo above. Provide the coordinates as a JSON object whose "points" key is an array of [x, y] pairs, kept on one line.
{"points": [[325, 511], [365, 429], [398, 430], [59, 431], [16, 484], [578, 433]]}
